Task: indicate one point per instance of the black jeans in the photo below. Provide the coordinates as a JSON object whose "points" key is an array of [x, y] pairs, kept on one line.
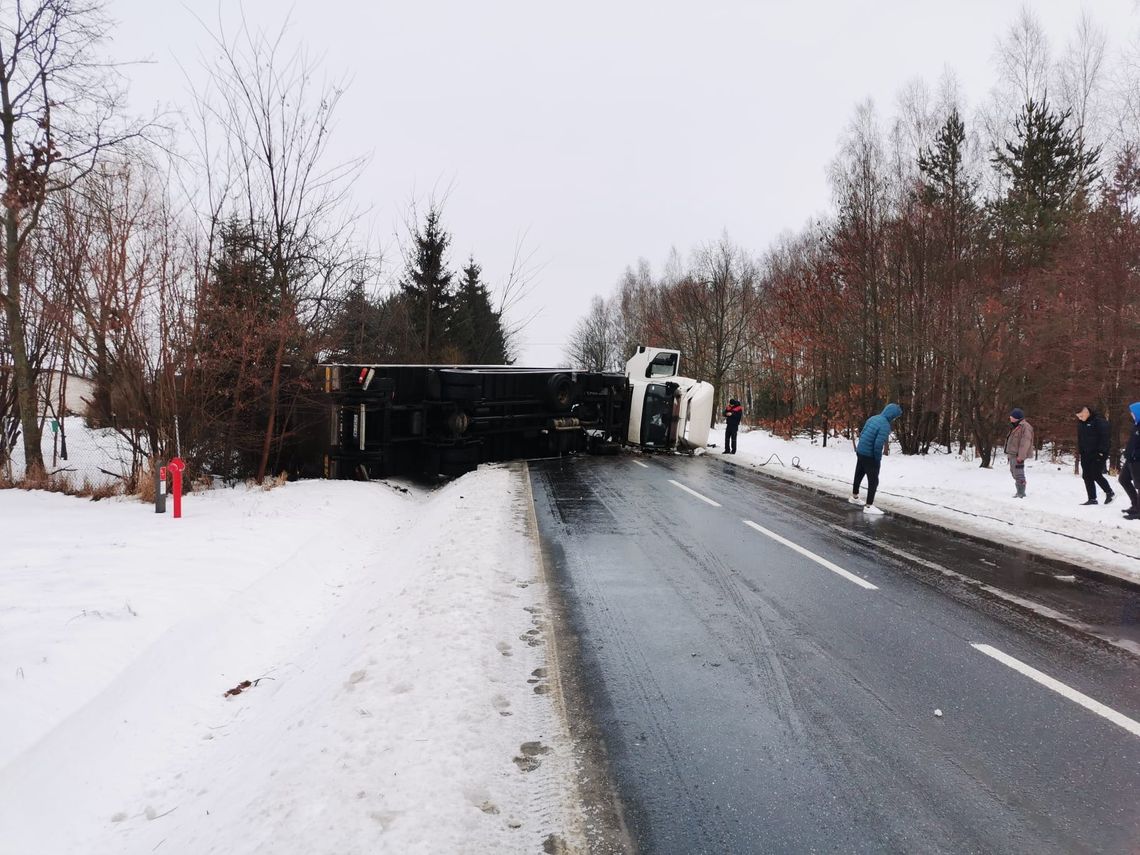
{"points": [[1092, 470], [869, 466], [730, 440], [1129, 481]]}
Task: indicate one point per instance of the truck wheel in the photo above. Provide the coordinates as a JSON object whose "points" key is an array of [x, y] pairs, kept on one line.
{"points": [[560, 392]]}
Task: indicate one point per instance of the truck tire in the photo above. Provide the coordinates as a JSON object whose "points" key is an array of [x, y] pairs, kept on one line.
{"points": [[560, 393]]}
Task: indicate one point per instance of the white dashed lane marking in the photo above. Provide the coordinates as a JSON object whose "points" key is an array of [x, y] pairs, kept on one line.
{"points": [[693, 492], [1131, 725], [823, 562]]}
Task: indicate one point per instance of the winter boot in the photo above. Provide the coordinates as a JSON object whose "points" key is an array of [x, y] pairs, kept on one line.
{"points": [[1108, 499], [1020, 494], [1093, 502]]}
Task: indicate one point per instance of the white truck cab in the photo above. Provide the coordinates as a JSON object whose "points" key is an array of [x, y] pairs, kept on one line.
{"points": [[666, 411]]}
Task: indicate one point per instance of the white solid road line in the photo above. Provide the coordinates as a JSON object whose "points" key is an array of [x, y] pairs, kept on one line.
{"points": [[1131, 725], [834, 568], [642, 465], [694, 493]]}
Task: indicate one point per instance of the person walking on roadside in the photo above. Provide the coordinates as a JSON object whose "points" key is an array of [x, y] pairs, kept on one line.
{"points": [[869, 454], [1018, 447], [1130, 469], [1093, 439], [733, 413]]}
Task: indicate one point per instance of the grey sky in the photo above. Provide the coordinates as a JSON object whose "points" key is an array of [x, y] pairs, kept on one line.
{"points": [[604, 131]]}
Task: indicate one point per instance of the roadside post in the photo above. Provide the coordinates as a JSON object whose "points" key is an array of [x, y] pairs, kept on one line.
{"points": [[176, 466], [160, 490]]}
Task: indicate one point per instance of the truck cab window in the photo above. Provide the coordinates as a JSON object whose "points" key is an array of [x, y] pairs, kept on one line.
{"points": [[663, 365]]}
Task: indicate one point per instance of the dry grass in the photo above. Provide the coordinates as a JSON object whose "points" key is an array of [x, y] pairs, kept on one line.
{"points": [[65, 483], [272, 483]]}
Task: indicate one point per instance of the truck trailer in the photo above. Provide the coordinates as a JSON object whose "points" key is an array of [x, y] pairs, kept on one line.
{"points": [[444, 420]]}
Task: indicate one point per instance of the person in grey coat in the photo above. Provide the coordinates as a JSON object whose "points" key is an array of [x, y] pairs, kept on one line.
{"points": [[1018, 448], [869, 454]]}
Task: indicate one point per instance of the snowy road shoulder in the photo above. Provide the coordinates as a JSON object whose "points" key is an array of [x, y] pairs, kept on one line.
{"points": [[404, 704], [956, 494]]}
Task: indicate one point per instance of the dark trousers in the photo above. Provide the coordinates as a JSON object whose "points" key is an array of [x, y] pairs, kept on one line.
{"points": [[730, 440], [869, 466], [1092, 470], [1129, 481]]}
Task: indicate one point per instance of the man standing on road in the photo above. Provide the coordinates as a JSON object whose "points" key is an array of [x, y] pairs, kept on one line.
{"points": [[1018, 447], [1130, 469], [869, 454], [733, 413], [1092, 445]]}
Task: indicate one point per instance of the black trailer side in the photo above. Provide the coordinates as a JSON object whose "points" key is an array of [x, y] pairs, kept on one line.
{"points": [[437, 420]]}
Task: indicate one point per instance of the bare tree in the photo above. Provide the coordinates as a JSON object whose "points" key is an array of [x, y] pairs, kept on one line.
{"points": [[60, 111], [594, 344], [276, 121], [1023, 58], [1080, 76]]}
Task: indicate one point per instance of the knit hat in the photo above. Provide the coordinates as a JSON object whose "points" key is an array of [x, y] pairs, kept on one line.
{"points": [[1017, 414]]}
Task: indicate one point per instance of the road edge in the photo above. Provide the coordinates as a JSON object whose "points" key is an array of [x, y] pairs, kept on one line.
{"points": [[605, 829], [1100, 575]]}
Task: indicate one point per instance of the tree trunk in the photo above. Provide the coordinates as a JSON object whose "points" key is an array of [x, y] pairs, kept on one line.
{"points": [[21, 368], [274, 393]]}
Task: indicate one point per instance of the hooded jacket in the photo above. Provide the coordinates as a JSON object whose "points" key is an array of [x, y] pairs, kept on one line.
{"points": [[1132, 450], [1093, 437], [876, 432]]}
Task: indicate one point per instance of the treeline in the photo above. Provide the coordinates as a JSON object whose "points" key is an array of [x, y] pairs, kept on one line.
{"points": [[198, 292], [965, 269]]}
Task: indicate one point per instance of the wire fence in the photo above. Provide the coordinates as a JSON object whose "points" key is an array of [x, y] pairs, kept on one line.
{"points": [[72, 451]]}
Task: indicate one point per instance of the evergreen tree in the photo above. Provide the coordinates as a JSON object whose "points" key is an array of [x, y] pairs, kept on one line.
{"points": [[476, 328], [358, 331], [1049, 172], [427, 285], [945, 181]]}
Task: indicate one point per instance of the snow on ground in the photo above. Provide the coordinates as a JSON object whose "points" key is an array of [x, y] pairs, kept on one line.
{"points": [[955, 492], [97, 455], [399, 642]]}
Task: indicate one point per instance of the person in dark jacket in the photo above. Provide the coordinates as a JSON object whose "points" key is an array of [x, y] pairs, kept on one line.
{"points": [[733, 413], [869, 454], [1093, 440], [1130, 468]]}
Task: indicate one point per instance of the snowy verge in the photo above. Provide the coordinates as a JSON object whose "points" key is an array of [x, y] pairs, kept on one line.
{"points": [[955, 493], [403, 704]]}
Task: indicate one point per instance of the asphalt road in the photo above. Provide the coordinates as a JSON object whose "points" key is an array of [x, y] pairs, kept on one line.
{"points": [[765, 673]]}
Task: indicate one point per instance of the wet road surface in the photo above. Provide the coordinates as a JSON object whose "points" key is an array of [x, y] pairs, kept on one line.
{"points": [[764, 665]]}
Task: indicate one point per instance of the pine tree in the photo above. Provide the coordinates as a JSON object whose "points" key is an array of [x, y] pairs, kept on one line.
{"points": [[476, 328], [427, 285], [1049, 172], [358, 331]]}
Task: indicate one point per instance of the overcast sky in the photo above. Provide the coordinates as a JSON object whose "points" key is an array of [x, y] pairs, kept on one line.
{"points": [[601, 131]]}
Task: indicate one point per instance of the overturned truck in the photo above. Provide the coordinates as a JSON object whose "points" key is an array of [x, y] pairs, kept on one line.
{"points": [[444, 420]]}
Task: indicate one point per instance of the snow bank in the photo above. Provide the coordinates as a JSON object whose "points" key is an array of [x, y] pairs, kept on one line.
{"points": [[955, 492], [401, 705]]}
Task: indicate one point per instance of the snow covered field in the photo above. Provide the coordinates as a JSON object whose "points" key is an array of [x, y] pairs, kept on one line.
{"points": [[957, 493], [402, 702]]}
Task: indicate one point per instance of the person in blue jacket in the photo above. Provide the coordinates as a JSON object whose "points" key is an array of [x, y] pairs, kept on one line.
{"points": [[1130, 468], [869, 454]]}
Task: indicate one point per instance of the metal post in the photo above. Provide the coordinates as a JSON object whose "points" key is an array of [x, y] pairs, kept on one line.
{"points": [[160, 490]]}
